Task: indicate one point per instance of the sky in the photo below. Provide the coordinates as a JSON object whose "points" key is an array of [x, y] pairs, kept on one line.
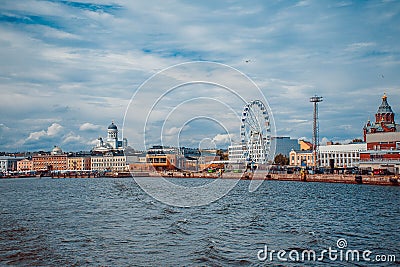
{"points": [[69, 68]]}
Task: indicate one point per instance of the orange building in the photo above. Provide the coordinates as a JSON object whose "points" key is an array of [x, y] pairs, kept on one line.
{"points": [[50, 162], [25, 165], [304, 145], [162, 161], [79, 163]]}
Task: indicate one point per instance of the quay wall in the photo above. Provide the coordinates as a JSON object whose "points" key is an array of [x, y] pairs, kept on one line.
{"points": [[325, 178], [332, 178]]}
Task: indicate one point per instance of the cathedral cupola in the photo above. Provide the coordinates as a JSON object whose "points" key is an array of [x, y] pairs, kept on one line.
{"points": [[385, 113]]}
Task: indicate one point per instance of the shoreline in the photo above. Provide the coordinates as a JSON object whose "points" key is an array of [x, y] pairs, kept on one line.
{"points": [[322, 178]]}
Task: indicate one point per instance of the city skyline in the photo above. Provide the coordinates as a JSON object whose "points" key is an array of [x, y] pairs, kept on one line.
{"points": [[70, 68]]}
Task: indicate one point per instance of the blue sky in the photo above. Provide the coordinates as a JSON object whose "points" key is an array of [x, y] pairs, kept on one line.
{"points": [[68, 68]]}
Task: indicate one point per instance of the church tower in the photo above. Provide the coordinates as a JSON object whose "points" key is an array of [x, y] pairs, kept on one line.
{"points": [[385, 113], [384, 120], [112, 135]]}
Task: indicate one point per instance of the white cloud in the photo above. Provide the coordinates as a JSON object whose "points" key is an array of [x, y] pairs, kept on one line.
{"points": [[3, 129], [324, 141], [173, 131], [37, 135], [220, 139], [92, 60], [92, 142], [72, 138], [87, 126], [358, 46], [52, 130]]}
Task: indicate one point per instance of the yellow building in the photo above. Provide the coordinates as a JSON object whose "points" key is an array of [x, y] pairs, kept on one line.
{"points": [[301, 158], [25, 165], [79, 163], [304, 145]]}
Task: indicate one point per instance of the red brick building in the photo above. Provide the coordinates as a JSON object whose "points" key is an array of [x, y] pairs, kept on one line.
{"points": [[384, 120], [383, 142], [55, 161]]}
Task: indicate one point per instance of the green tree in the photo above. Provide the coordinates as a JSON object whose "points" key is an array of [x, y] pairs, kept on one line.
{"points": [[281, 160], [223, 154]]}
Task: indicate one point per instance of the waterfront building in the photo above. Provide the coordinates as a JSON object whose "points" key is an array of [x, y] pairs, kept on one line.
{"points": [[109, 161], [79, 163], [8, 164], [341, 156], [383, 142], [55, 161], [205, 162], [164, 158], [256, 149], [384, 120], [162, 161], [189, 152], [284, 144], [25, 165], [188, 164], [140, 166], [137, 161], [236, 153], [111, 143], [383, 152], [305, 145], [252, 152], [301, 158]]}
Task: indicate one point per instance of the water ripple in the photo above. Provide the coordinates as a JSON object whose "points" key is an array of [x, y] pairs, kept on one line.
{"points": [[112, 222]]}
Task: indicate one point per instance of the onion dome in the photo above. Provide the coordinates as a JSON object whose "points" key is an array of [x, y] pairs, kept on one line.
{"points": [[384, 108], [112, 126]]}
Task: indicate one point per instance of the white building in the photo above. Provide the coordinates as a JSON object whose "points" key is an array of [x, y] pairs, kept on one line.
{"points": [[109, 162], [301, 158], [341, 155], [254, 151], [257, 149], [236, 153], [112, 142], [8, 163]]}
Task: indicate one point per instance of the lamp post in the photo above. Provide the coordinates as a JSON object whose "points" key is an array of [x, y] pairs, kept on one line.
{"points": [[315, 100]]}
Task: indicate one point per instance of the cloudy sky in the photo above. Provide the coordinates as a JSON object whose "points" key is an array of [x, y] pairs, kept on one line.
{"points": [[68, 68]]}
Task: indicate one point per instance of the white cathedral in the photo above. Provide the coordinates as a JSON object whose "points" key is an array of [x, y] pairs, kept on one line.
{"points": [[112, 143]]}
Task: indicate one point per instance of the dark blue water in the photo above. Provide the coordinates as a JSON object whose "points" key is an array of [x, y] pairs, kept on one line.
{"points": [[112, 222]]}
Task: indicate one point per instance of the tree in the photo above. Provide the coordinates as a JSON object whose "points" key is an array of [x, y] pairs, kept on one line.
{"points": [[281, 160], [223, 154]]}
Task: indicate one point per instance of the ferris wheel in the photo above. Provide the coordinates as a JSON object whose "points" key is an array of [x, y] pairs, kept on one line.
{"points": [[255, 132]]}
